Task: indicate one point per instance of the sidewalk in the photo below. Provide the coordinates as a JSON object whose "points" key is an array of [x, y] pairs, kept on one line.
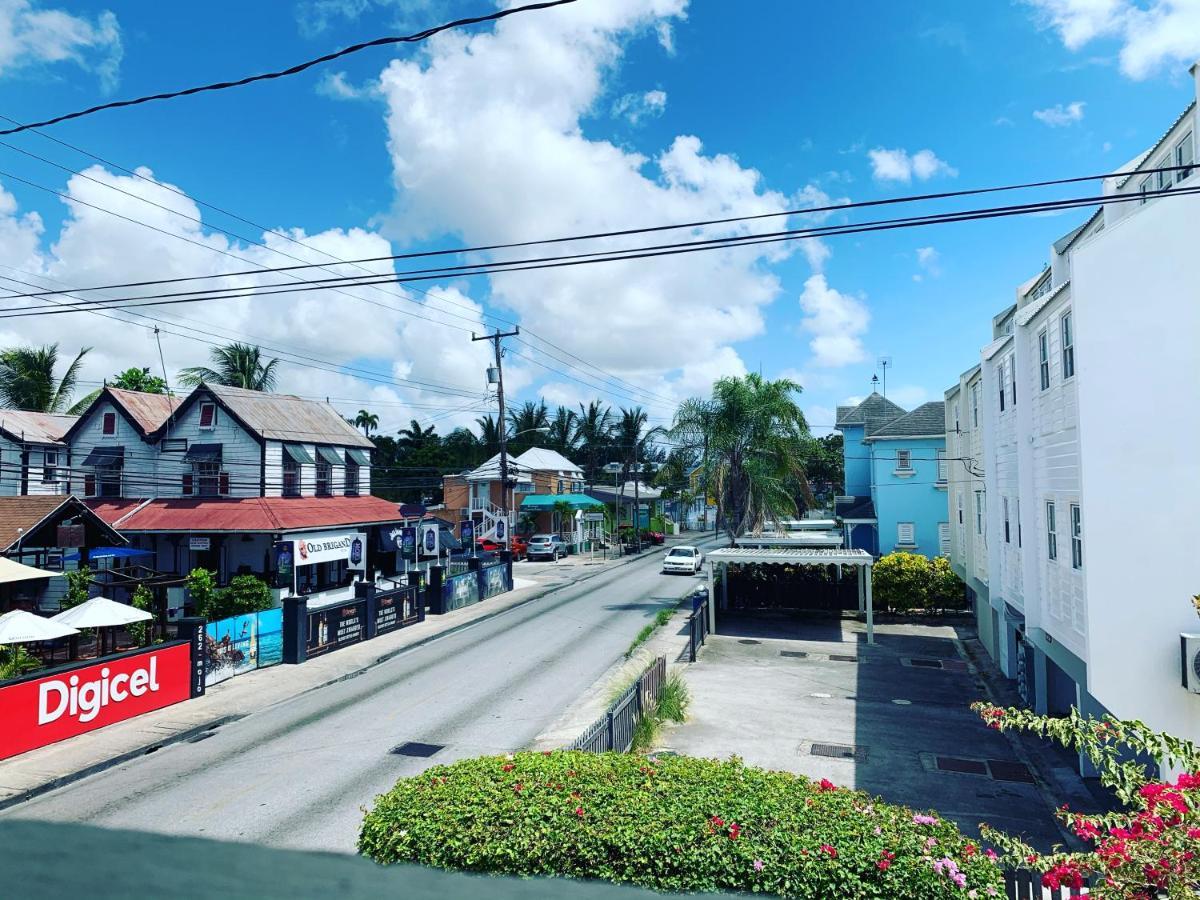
{"points": [[46, 768]]}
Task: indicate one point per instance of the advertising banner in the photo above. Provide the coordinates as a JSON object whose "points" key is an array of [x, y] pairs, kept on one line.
{"points": [[466, 532], [429, 539], [243, 643], [408, 540], [390, 538], [335, 627], [55, 707], [285, 564], [331, 547], [493, 580], [396, 609], [501, 532]]}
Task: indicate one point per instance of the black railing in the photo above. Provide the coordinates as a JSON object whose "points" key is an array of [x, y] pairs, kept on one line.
{"points": [[697, 624], [614, 730]]}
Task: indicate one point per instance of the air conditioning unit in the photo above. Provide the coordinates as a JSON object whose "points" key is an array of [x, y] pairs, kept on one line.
{"points": [[1189, 647]]}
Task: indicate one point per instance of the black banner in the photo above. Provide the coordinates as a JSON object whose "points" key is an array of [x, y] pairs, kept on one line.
{"points": [[335, 627]]}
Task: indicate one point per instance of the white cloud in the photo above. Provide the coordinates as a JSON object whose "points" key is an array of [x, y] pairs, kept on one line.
{"points": [[666, 37], [836, 321], [1059, 116], [337, 86], [1163, 33], [910, 396], [30, 35], [527, 86], [898, 165], [929, 261], [636, 107]]}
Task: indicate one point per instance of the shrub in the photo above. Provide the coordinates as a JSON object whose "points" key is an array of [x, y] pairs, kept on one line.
{"points": [[901, 582], [15, 661], [78, 588], [671, 823], [245, 594], [143, 600], [946, 589]]}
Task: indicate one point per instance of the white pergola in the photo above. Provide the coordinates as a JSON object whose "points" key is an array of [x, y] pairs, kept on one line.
{"points": [[798, 539], [860, 560]]}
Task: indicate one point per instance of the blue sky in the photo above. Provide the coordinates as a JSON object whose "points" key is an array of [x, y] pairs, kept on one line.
{"points": [[643, 112]]}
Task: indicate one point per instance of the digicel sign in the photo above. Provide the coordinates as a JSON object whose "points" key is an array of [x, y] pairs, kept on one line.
{"points": [[56, 707]]}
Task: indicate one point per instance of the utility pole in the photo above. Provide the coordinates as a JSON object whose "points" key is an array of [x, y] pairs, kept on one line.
{"points": [[503, 425]]}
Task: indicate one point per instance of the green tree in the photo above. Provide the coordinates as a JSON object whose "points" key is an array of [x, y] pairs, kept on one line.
{"points": [[756, 436], [245, 594], [946, 589], [15, 661], [78, 590], [367, 421], [562, 435], [27, 379], [902, 582], [593, 435], [143, 599], [135, 379], [489, 435], [234, 365], [462, 449], [414, 437], [526, 424]]}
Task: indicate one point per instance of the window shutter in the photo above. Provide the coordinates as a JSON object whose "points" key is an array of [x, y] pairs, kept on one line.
{"points": [[223, 484], [89, 485], [904, 532], [110, 423], [187, 483]]}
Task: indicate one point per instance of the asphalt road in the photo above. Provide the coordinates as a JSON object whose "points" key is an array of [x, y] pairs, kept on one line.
{"points": [[299, 774]]}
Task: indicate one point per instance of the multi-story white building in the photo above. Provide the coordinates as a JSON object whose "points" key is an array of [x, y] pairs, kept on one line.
{"points": [[1081, 601], [33, 455]]}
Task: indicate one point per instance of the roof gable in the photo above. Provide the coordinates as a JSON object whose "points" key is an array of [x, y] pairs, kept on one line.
{"points": [[21, 519], [873, 413], [25, 427], [146, 413], [541, 459], [927, 420], [282, 417]]}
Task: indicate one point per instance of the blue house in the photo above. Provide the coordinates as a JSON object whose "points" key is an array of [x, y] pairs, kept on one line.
{"points": [[896, 477]]}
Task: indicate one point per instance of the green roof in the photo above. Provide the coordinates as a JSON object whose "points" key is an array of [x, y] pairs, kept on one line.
{"points": [[547, 501]]}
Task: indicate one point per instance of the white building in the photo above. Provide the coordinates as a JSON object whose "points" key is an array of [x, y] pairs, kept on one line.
{"points": [[33, 456], [1080, 599]]}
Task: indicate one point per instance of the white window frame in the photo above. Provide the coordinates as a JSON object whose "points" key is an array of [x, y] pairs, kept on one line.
{"points": [[1182, 159], [961, 508], [291, 477], [944, 538], [980, 510], [1076, 536], [1165, 179], [1012, 377], [903, 528], [1051, 531], [1018, 515], [1044, 357], [942, 467], [1007, 526], [975, 405], [1067, 340], [903, 460], [212, 422], [49, 467], [1002, 381], [323, 480], [1145, 186]]}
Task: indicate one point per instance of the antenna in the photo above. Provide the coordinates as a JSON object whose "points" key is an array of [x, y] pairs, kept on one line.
{"points": [[883, 362]]}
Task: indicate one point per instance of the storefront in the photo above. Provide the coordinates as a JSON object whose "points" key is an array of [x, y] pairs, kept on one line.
{"points": [[320, 565]]}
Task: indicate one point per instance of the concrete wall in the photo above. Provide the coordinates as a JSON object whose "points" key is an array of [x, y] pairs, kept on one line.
{"points": [[909, 496], [1136, 325]]}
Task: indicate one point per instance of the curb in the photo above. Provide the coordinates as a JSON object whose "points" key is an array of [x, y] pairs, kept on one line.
{"points": [[63, 780]]}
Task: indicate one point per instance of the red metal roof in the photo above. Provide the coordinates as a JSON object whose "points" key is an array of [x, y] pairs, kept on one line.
{"points": [[148, 410], [111, 510], [242, 514]]}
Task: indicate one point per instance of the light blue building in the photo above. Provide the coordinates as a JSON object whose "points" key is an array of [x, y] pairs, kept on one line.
{"points": [[896, 477]]}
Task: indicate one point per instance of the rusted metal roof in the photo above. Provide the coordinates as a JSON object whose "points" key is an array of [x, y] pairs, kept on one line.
{"points": [[250, 514], [27, 427], [149, 411], [282, 417], [20, 516]]}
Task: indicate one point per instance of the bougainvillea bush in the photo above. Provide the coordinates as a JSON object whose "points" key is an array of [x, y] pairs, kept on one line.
{"points": [[1152, 847], [673, 823]]}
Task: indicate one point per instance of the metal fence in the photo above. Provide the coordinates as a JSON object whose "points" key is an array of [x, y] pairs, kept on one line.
{"points": [[456, 567], [697, 624], [614, 730]]}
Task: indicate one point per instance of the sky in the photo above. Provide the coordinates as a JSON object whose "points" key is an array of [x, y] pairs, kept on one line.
{"points": [[601, 115]]}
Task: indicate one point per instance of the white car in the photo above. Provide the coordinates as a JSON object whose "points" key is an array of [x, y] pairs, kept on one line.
{"points": [[683, 559]]}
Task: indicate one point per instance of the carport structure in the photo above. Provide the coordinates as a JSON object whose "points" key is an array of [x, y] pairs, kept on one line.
{"points": [[719, 561]]}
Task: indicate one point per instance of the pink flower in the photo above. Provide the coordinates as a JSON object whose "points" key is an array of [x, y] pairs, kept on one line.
{"points": [[826, 785], [990, 854], [830, 851], [924, 820], [758, 865], [579, 811], [734, 830], [930, 842]]}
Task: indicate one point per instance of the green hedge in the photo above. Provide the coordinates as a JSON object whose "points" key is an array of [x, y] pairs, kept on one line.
{"points": [[903, 582], [671, 823]]}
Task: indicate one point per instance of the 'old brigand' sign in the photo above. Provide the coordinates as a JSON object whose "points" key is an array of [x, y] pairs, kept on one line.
{"points": [[53, 708]]}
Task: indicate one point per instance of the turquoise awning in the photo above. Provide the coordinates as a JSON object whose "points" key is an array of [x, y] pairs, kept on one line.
{"points": [[535, 502]]}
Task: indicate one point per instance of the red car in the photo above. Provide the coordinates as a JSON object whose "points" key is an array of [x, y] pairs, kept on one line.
{"points": [[655, 537], [520, 547], [487, 545]]}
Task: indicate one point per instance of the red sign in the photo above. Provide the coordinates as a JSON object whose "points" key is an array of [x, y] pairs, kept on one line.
{"points": [[75, 701]]}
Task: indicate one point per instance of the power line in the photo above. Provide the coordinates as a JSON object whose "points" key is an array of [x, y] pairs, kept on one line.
{"points": [[293, 70]]}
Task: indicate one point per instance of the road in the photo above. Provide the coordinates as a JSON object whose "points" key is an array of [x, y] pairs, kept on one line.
{"points": [[298, 774]]}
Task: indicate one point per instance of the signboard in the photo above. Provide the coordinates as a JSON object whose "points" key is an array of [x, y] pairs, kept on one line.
{"points": [[334, 627], [593, 517], [199, 543], [501, 531], [466, 532], [331, 547], [70, 536], [285, 564], [408, 539], [44, 710], [429, 539], [412, 510]]}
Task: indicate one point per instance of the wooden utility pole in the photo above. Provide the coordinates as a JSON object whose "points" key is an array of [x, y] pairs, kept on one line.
{"points": [[502, 424]]}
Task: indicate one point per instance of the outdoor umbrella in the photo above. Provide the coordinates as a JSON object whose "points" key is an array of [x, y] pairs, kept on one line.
{"points": [[100, 612], [20, 627]]}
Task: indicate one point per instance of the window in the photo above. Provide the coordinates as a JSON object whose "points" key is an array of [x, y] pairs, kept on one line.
{"points": [[1007, 529], [956, 428], [944, 538], [109, 423], [1184, 156], [174, 445], [1145, 187], [324, 478], [941, 466], [208, 479], [1051, 532], [1164, 178], [906, 534], [960, 508], [107, 482], [351, 477], [291, 477], [50, 467], [975, 405], [1002, 380], [979, 512], [208, 416], [1012, 376], [323, 576], [1076, 537], [903, 460], [1044, 358], [1018, 522], [523, 487], [1068, 347]]}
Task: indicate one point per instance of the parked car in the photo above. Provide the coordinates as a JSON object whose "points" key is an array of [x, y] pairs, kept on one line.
{"points": [[487, 545], [546, 546], [520, 547], [655, 537], [683, 559]]}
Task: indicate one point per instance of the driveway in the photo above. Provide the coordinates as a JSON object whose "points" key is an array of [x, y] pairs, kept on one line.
{"points": [[892, 719]]}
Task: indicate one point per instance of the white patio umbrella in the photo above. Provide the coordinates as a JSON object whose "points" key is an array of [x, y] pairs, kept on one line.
{"points": [[21, 627], [100, 612]]}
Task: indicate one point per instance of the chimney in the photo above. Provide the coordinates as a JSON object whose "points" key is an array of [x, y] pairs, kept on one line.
{"points": [[1195, 70]]}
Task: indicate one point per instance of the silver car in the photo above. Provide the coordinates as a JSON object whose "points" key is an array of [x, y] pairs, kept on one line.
{"points": [[683, 559], [546, 546]]}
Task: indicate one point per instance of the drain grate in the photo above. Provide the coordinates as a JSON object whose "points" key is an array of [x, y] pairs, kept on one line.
{"points": [[794, 654], [839, 657], [417, 748], [840, 751], [926, 663], [965, 766], [1003, 770], [749, 641]]}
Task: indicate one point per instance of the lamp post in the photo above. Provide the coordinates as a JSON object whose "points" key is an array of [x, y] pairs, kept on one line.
{"points": [[614, 469]]}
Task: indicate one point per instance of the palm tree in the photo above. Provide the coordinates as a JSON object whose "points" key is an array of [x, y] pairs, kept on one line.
{"points": [[562, 435], [527, 424], [633, 439], [414, 437], [27, 378], [489, 434], [367, 421], [593, 434], [235, 365], [756, 440]]}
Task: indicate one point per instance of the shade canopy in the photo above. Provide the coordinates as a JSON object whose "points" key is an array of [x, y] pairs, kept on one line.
{"points": [[298, 454], [11, 571], [329, 455], [357, 456], [21, 627], [202, 453], [112, 553], [537, 502], [105, 456], [100, 612]]}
